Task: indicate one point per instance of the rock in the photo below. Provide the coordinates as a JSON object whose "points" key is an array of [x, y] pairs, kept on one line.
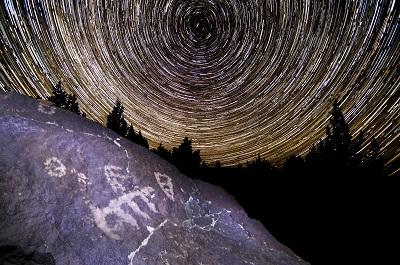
{"points": [[16, 255], [74, 192]]}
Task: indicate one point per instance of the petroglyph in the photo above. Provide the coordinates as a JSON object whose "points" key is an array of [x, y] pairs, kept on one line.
{"points": [[166, 185], [54, 167], [16, 110], [46, 109], [117, 143], [52, 123], [145, 241], [120, 210], [127, 156], [107, 137], [115, 178], [82, 179]]}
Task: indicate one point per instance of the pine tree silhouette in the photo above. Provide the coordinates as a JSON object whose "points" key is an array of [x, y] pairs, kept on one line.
{"points": [[373, 161], [184, 158], [132, 134], [312, 156], [62, 99], [72, 105], [294, 164], [137, 138], [338, 141], [116, 120], [59, 97], [356, 157], [164, 153], [259, 166], [340, 152], [142, 140]]}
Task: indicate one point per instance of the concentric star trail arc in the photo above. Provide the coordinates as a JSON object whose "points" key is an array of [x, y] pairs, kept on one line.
{"points": [[239, 77]]}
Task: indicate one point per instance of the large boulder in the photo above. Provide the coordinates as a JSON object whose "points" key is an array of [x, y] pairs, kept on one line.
{"points": [[74, 192]]}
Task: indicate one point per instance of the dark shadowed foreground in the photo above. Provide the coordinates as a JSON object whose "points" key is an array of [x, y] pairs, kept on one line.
{"points": [[73, 192]]}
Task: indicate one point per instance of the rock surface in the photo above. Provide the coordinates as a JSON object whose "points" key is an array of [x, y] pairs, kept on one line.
{"points": [[74, 192]]}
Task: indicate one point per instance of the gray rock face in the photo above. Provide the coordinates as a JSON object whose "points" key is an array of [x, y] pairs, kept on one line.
{"points": [[76, 193]]}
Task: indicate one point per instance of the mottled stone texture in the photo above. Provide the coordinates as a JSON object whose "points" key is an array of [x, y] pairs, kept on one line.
{"points": [[74, 192]]}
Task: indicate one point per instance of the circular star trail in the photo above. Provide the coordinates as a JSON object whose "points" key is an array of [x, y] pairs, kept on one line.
{"points": [[239, 77]]}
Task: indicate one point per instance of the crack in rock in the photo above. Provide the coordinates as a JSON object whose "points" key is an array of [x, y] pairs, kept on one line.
{"points": [[145, 241]]}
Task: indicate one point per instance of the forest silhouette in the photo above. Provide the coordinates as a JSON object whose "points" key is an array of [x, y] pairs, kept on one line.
{"points": [[335, 199]]}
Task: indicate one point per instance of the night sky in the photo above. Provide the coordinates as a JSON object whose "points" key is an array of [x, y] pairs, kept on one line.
{"points": [[239, 77]]}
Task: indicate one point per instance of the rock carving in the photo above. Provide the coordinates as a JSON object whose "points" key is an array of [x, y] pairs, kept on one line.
{"points": [[54, 167], [118, 209], [166, 185], [115, 178]]}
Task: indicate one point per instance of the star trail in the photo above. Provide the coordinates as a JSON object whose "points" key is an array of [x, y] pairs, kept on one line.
{"points": [[239, 77]]}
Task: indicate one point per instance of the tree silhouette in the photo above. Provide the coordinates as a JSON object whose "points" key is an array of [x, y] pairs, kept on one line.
{"points": [[340, 152], [59, 97], [131, 135], [184, 158], [164, 153], [62, 99], [373, 161], [259, 166], [312, 156], [294, 164], [73, 104], [338, 143], [116, 120], [137, 138], [142, 140], [356, 157]]}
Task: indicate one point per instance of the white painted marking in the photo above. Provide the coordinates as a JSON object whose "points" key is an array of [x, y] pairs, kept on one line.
{"points": [[54, 167], [165, 183], [117, 143], [107, 137], [115, 178], [82, 178], [52, 123], [115, 208], [127, 157]]}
